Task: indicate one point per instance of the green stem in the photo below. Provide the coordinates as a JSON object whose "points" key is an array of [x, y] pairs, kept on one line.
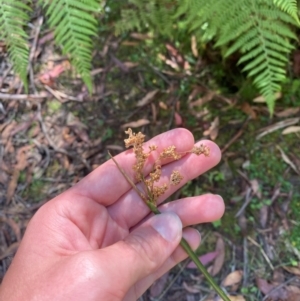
{"points": [[185, 245]]}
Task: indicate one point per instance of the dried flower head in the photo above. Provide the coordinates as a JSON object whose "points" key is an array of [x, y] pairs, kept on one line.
{"points": [[158, 191], [202, 149], [137, 140], [156, 173], [154, 192], [152, 148], [170, 152], [175, 178], [134, 139]]}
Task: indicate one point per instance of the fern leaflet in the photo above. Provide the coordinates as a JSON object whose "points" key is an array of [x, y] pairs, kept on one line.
{"points": [[263, 39], [13, 17], [289, 6], [75, 24]]}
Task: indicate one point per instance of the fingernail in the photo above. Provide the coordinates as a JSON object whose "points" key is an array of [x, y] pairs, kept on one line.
{"points": [[168, 225], [218, 196]]}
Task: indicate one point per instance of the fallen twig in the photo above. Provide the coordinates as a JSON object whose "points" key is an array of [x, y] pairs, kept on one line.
{"points": [[235, 137]]}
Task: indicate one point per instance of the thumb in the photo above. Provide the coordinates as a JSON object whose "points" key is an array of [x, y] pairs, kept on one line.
{"points": [[144, 250]]}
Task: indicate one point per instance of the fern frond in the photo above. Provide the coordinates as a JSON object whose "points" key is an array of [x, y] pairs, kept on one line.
{"points": [[261, 30], [289, 6], [75, 24], [14, 16], [263, 38]]}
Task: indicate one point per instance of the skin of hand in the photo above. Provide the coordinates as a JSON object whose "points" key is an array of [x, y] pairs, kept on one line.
{"points": [[98, 241]]}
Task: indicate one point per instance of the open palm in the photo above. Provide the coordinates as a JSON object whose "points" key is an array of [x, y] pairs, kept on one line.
{"points": [[94, 241]]}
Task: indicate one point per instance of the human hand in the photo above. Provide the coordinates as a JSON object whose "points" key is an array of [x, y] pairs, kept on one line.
{"points": [[98, 241]]}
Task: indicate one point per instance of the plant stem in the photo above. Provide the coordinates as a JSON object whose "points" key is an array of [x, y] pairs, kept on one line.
{"points": [[183, 242], [185, 245]]}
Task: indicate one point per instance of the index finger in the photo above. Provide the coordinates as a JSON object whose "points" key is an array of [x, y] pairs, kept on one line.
{"points": [[106, 184]]}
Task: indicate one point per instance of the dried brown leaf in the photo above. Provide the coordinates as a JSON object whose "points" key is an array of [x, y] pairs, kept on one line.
{"points": [[147, 99], [255, 188], [233, 278], [288, 112], [276, 126], [194, 46], [172, 64], [287, 160], [171, 49], [130, 65], [291, 129], [219, 261], [136, 124], [48, 77], [130, 43], [263, 215], [237, 298], [191, 289], [6, 131], [294, 292], [140, 36], [196, 90], [261, 99], [178, 119], [163, 106], [205, 259], [278, 294], [247, 108], [213, 130], [201, 101], [292, 270], [21, 164]]}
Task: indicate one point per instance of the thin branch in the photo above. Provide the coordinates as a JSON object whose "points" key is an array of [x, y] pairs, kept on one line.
{"points": [[141, 195]]}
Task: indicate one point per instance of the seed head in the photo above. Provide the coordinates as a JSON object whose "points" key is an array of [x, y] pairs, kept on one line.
{"points": [[202, 149], [134, 139], [175, 178], [158, 191], [170, 152]]}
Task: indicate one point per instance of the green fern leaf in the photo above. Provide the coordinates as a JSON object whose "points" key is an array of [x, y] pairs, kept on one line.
{"points": [[75, 24], [289, 6], [263, 39], [14, 16], [261, 30]]}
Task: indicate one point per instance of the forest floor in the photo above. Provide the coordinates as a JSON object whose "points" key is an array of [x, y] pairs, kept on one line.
{"points": [[57, 134]]}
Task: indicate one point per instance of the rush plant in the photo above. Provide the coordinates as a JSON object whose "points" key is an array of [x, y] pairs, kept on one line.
{"points": [[152, 192]]}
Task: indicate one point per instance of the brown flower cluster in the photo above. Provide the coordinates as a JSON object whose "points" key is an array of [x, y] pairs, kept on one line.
{"points": [[154, 192], [201, 150], [137, 140], [175, 178], [170, 152]]}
